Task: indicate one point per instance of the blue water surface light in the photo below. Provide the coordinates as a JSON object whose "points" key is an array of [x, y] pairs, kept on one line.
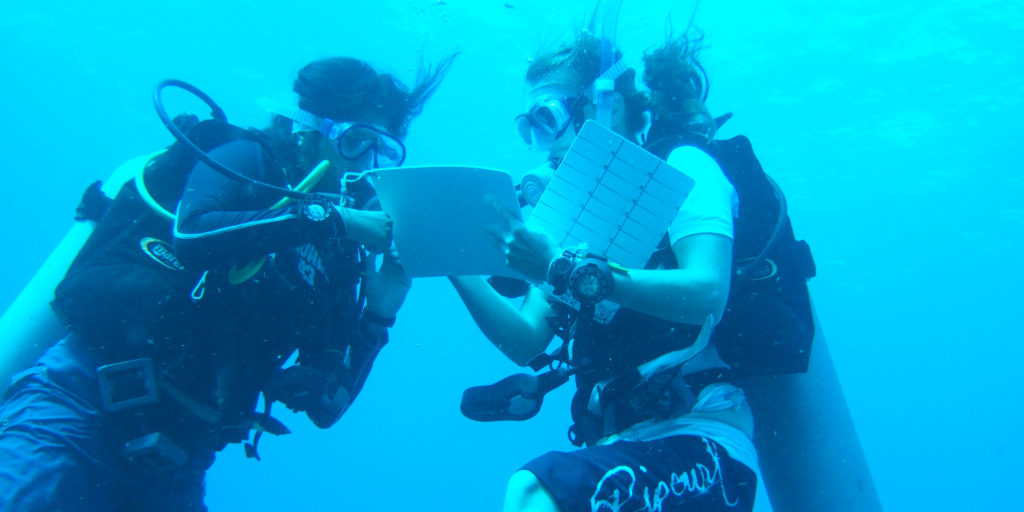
{"points": [[893, 127]]}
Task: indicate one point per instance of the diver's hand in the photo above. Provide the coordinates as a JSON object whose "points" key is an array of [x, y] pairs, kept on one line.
{"points": [[372, 229], [527, 251], [386, 288], [297, 387]]}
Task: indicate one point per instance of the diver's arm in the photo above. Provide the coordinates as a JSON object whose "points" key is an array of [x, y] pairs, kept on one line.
{"points": [[520, 334], [688, 295], [346, 369], [702, 243], [223, 222], [348, 359], [698, 288]]}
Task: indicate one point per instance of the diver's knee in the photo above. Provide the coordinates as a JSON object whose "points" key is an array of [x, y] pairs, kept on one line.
{"points": [[526, 493]]}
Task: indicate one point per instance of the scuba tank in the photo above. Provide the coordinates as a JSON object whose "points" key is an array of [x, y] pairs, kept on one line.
{"points": [[29, 327]]}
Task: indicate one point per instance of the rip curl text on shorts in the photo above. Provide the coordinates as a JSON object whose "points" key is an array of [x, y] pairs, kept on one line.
{"points": [[678, 473]]}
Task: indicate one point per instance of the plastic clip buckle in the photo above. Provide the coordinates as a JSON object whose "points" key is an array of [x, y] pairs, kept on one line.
{"points": [[154, 453], [128, 384]]}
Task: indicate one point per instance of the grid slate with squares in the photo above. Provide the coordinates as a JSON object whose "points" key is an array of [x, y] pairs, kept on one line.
{"points": [[612, 195]]}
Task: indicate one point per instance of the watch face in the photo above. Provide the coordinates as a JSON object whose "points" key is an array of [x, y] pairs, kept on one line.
{"points": [[562, 266], [316, 212], [589, 284]]}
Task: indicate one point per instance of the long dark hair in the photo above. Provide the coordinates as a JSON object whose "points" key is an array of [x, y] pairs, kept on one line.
{"points": [[347, 89], [679, 84], [672, 72]]}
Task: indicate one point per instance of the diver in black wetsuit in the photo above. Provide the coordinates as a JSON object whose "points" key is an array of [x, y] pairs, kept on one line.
{"points": [[304, 294], [172, 345]]}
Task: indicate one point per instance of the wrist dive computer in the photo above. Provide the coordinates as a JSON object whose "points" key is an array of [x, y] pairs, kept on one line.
{"points": [[559, 270]]}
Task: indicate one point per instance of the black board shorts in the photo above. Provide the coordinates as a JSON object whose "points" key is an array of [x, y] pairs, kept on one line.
{"points": [[678, 473]]}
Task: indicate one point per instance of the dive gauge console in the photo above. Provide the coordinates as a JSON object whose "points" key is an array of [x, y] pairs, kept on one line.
{"points": [[316, 209], [590, 281]]}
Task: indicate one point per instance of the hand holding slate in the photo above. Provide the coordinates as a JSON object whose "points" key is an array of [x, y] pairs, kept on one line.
{"points": [[386, 288], [528, 251], [441, 221], [297, 387], [372, 229]]}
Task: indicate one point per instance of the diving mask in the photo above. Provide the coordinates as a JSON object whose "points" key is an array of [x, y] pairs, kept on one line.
{"points": [[353, 140], [551, 114], [547, 120]]}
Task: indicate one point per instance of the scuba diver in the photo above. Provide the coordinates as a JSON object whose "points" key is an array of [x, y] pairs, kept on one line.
{"points": [[659, 403], [229, 252]]}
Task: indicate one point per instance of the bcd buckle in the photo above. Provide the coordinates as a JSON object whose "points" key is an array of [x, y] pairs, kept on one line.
{"points": [[154, 453], [128, 384]]}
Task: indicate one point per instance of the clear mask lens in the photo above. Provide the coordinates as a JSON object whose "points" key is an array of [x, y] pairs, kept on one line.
{"points": [[524, 130], [355, 140], [550, 116], [547, 120]]}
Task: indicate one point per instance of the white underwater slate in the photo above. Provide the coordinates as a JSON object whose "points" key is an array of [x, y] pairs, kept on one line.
{"points": [[615, 197], [612, 195], [441, 219]]}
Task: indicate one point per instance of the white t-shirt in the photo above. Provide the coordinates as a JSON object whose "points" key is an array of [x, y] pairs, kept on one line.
{"points": [[712, 203]]}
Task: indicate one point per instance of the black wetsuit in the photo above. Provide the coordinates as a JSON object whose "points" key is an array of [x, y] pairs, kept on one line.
{"points": [[304, 296], [214, 346]]}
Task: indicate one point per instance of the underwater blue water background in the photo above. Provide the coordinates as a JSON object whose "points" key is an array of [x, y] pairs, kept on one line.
{"points": [[893, 127]]}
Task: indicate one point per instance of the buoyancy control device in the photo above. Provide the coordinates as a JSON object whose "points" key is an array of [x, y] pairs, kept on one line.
{"points": [[127, 288], [767, 328]]}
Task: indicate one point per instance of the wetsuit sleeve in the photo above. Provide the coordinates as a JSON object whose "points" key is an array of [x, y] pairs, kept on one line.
{"points": [[346, 370], [222, 222]]}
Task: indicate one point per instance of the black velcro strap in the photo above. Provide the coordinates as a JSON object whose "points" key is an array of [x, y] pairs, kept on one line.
{"points": [[509, 287], [374, 318], [94, 204], [540, 362], [802, 255], [620, 385]]}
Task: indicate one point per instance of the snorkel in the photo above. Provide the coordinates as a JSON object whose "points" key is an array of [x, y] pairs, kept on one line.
{"points": [[604, 86]]}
